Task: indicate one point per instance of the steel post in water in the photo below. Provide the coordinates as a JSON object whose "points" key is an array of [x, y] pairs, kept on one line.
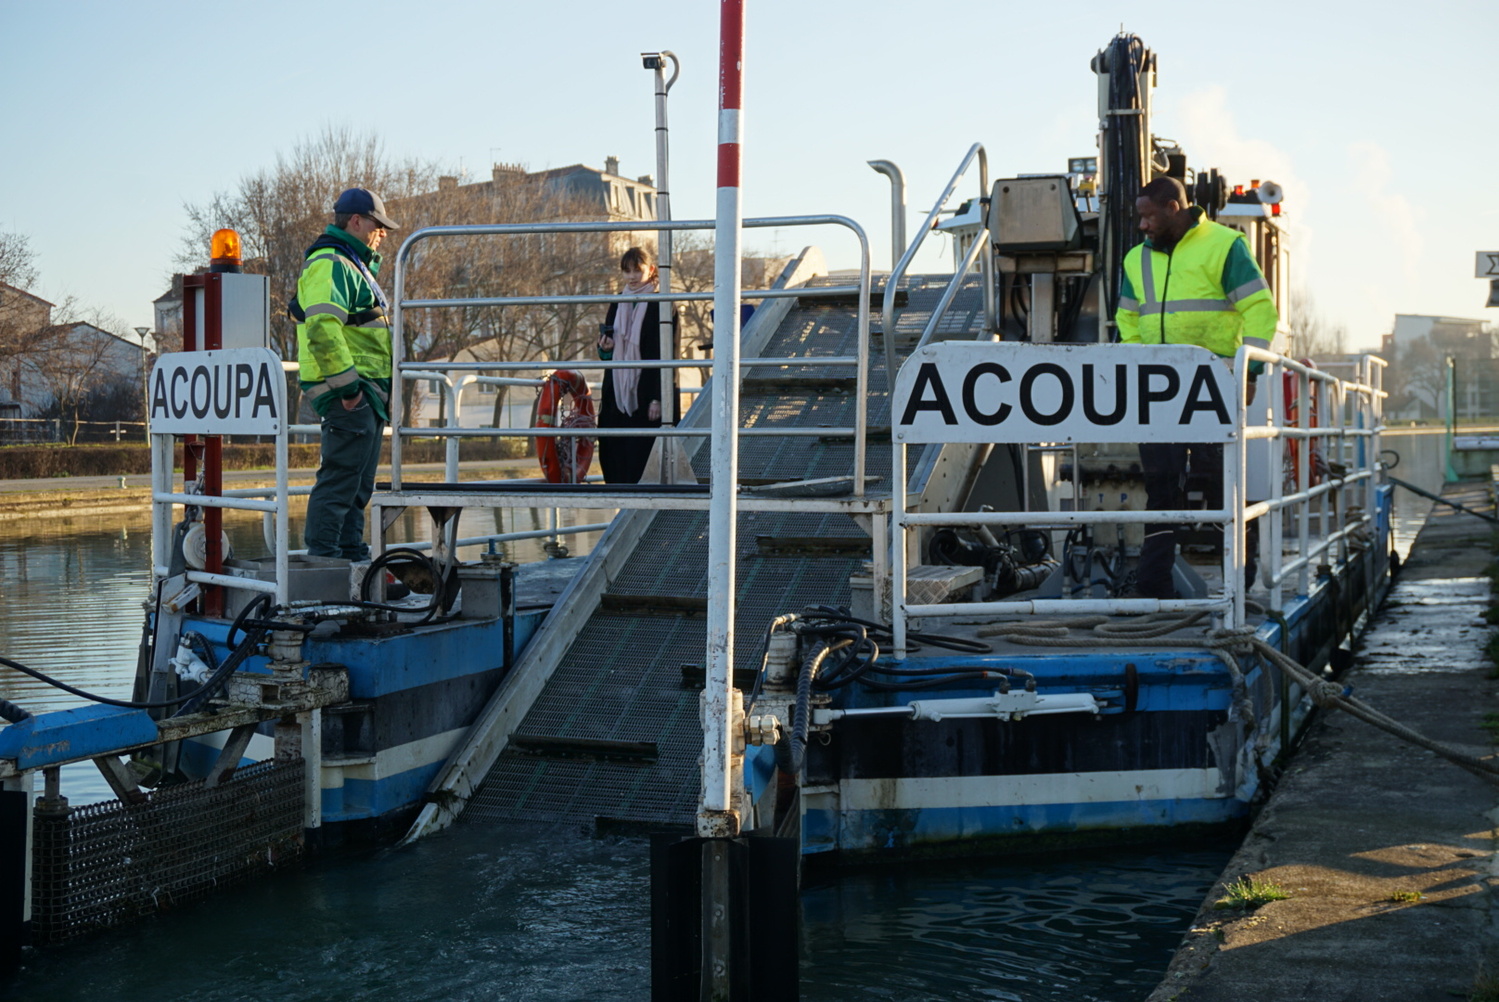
{"points": [[15, 869], [715, 812]]}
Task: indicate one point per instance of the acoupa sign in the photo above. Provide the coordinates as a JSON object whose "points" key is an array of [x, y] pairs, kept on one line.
{"points": [[1008, 392], [237, 391]]}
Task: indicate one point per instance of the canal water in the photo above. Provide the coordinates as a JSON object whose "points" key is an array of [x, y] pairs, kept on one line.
{"points": [[479, 913]]}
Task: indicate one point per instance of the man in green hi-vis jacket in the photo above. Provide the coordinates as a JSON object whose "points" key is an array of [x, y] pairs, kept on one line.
{"points": [[344, 352], [1192, 281]]}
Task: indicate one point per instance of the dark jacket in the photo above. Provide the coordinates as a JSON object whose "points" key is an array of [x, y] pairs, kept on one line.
{"points": [[610, 416]]}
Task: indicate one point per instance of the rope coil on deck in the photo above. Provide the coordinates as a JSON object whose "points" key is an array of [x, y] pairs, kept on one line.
{"points": [[1229, 645]]}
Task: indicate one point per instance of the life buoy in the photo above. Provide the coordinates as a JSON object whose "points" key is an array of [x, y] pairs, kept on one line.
{"points": [[564, 402], [1317, 465]]}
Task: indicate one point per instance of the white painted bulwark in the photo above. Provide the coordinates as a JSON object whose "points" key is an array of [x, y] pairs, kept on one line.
{"points": [[1042, 788], [238, 391], [1007, 392]]}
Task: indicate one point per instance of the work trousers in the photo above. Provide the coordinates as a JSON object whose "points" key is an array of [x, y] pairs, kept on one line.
{"points": [[1166, 466], [345, 481]]}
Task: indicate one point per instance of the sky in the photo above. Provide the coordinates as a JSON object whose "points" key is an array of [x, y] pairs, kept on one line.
{"points": [[1373, 117]]}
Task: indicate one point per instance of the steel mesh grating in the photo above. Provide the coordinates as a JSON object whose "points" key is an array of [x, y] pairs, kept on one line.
{"points": [[621, 680], [106, 864]]}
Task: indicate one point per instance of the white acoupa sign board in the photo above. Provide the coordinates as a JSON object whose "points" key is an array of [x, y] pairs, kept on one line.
{"points": [[236, 391], [1488, 265], [965, 391]]}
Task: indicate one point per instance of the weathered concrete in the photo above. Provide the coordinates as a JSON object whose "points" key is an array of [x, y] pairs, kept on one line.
{"points": [[1362, 820]]}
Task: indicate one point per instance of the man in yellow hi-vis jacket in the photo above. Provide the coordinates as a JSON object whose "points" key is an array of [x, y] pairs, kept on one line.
{"points": [[1192, 281], [344, 353]]}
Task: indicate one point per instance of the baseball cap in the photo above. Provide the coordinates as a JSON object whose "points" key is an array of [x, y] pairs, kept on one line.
{"points": [[363, 202]]}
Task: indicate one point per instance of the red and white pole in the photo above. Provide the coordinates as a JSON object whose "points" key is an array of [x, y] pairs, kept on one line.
{"points": [[715, 814]]}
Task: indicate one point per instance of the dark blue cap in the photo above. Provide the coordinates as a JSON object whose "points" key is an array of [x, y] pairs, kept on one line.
{"points": [[363, 202]]}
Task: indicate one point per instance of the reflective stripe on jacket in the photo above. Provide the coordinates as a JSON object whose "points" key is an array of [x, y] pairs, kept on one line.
{"points": [[334, 355], [1206, 291]]}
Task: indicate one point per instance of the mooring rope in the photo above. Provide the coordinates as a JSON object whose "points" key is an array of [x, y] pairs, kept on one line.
{"points": [[1228, 645]]}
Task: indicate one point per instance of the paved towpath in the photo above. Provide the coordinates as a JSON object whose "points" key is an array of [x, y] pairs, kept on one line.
{"points": [[1386, 850], [88, 495]]}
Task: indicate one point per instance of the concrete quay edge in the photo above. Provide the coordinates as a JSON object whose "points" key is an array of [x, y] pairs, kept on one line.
{"points": [[1386, 850]]}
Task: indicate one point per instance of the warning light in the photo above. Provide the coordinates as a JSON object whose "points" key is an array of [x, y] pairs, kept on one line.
{"points": [[224, 251]]}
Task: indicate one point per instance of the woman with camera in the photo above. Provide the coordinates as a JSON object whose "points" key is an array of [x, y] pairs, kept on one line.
{"points": [[632, 397]]}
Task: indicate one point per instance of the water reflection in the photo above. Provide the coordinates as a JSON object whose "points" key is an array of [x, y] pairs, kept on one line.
{"points": [[1092, 926], [478, 913]]}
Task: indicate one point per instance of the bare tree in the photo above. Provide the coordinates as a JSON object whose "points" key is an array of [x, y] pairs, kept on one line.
{"points": [[279, 211], [25, 319], [492, 267], [1313, 335]]}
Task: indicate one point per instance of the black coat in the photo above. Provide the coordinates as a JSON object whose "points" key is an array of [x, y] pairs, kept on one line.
{"points": [[623, 459]]}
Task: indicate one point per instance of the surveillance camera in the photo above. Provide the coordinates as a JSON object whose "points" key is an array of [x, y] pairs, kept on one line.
{"points": [[651, 60]]}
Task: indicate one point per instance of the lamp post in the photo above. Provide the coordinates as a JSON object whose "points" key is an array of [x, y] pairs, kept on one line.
{"points": [[146, 351]]}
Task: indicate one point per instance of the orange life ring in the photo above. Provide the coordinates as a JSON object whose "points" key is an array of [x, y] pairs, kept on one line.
{"points": [[564, 402]]}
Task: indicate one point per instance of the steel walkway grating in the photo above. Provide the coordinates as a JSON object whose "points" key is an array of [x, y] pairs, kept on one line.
{"points": [[620, 694]]}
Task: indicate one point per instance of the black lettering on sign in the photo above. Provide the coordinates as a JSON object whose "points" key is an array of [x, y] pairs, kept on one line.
{"points": [[201, 381], [223, 402], [970, 397], [1027, 393], [179, 405], [1121, 396], [1203, 395], [1150, 396], [244, 381], [159, 395], [263, 394], [928, 377]]}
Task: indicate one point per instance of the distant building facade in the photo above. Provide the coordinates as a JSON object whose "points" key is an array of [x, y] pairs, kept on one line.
{"points": [[1417, 349]]}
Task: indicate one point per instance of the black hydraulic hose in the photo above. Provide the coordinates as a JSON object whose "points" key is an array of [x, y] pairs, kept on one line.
{"points": [[800, 714], [198, 696], [927, 683], [405, 554], [860, 652], [252, 640], [12, 712], [932, 639]]}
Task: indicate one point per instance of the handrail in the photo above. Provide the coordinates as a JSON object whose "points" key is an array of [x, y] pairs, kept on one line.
{"points": [[897, 206], [980, 241], [888, 307], [400, 304]]}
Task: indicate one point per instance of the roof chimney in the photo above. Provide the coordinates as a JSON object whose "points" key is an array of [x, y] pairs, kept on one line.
{"points": [[447, 182], [611, 165]]}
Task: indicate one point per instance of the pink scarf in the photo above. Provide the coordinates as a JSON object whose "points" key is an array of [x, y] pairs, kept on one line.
{"points": [[628, 321]]}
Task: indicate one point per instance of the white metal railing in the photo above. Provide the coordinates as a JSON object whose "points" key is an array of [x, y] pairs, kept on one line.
{"points": [[1344, 427], [980, 240], [1334, 429], [468, 371]]}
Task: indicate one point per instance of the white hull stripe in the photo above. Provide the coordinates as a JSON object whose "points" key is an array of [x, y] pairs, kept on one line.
{"points": [[1008, 791]]}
